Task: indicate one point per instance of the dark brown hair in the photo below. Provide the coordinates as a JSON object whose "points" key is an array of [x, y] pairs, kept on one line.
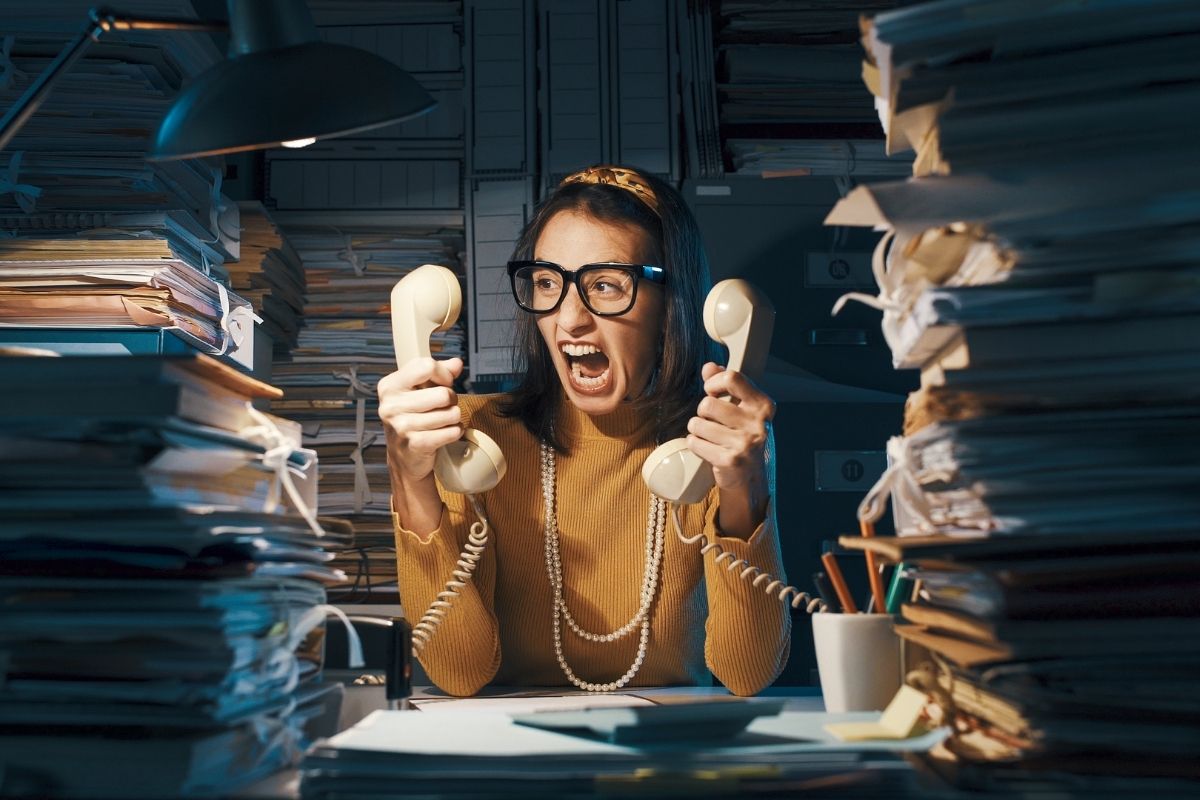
{"points": [[675, 387]]}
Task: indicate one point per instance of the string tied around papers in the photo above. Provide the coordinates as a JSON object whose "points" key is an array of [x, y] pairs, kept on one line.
{"points": [[358, 388], [362, 486], [759, 578], [278, 458], [890, 298], [359, 391], [314, 617], [279, 731], [351, 256], [9, 71], [26, 194], [235, 321], [899, 482]]}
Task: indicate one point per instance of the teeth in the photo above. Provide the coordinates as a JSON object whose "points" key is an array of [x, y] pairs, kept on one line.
{"points": [[579, 349], [586, 382]]}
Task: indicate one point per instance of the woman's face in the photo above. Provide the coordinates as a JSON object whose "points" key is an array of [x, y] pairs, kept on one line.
{"points": [[601, 361]]}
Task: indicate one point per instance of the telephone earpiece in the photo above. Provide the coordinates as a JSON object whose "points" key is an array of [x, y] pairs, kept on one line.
{"points": [[740, 317], [426, 300]]}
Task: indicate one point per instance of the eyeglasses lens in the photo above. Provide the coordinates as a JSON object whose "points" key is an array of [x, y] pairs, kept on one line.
{"points": [[605, 290]]}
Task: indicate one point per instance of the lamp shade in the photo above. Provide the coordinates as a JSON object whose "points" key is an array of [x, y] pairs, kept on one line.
{"points": [[308, 90]]}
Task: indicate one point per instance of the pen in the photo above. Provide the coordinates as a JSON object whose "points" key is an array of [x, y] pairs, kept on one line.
{"points": [[825, 590], [898, 589], [868, 530], [839, 583]]}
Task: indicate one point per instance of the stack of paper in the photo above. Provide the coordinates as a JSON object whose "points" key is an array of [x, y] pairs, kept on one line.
{"points": [[780, 158], [1058, 655], [1040, 271], [484, 752], [162, 578], [79, 156], [94, 222], [343, 349], [105, 279], [697, 72], [269, 274], [792, 62]]}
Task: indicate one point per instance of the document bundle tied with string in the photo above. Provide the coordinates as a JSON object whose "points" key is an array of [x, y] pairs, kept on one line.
{"points": [[328, 380], [162, 575], [1040, 270]]}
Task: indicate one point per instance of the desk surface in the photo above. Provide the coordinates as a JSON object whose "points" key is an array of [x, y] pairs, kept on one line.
{"points": [[364, 699]]}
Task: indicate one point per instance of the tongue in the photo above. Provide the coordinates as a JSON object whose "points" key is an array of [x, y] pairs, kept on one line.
{"points": [[593, 365]]}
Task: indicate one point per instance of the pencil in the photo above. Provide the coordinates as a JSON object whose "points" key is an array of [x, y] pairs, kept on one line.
{"points": [[839, 583], [868, 530]]}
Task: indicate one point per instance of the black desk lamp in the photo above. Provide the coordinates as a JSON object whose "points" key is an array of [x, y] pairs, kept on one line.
{"points": [[279, 85]]}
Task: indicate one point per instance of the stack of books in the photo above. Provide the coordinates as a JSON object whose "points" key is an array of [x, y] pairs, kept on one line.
{"points": [[162, 577], [1039, 270], [329, 378]]}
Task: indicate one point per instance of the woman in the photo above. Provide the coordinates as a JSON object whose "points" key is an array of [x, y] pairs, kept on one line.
{"points": [[581, 583]]}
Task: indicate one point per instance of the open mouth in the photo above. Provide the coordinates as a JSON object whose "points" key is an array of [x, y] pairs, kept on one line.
{"points": [[587, 365]]}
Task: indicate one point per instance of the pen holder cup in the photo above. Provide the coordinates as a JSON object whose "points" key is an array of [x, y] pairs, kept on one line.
{"points": [[858, 658]]}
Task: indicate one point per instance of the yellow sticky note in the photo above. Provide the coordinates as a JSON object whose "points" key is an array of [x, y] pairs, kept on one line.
{"points": [[900, 720]]}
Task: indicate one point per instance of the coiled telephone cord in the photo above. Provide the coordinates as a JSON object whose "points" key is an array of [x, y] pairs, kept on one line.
{"points": [[472, 551], [749, 572]]}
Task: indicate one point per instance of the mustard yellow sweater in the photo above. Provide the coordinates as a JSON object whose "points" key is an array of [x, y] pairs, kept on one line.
{"points": [[704, 617]]}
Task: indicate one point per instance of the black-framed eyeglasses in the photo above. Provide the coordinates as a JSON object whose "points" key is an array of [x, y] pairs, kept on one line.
{"points": [[607, 290]]}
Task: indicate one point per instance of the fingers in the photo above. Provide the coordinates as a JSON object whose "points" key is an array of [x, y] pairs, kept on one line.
{"points": [[419, 372], [407, 410], [419, 444], [419, 408], [727, 446], [729, 430], [720, 382]]}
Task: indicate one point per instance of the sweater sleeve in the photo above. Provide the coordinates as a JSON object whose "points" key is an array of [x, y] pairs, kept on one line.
{"points": [[748, 632], [464, 652]]}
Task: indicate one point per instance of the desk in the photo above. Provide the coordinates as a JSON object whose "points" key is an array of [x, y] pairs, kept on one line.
{"points": [[362, 700], [880, 774]]}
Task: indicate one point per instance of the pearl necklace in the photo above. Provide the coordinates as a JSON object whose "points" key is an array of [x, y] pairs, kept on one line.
{"points": [[655, 524]]}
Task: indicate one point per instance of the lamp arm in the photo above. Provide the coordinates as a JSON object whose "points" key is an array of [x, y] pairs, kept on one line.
{"points": [[100, 21]]}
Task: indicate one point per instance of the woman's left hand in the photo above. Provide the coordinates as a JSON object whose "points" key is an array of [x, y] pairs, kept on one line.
{"points": [[732, 436]]}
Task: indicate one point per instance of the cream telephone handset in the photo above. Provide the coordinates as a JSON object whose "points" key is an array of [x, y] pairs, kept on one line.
{"points": [[740, 317], [426, 300]]}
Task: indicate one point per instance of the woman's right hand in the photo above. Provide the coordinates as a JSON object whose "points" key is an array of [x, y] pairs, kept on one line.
{"points": [[419, 409]]}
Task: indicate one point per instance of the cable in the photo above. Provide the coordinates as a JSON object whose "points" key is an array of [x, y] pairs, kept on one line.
{"points": [[467, 560], [749, 572]]}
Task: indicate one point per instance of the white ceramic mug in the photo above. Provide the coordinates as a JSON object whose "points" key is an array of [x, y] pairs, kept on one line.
{"points": [[858, 658]]}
